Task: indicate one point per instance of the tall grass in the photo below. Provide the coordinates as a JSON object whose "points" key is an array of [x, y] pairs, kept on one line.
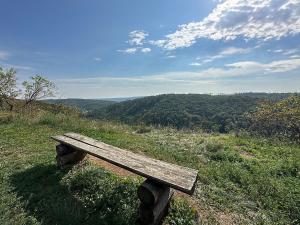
{"points": [[34, 191], [242, 180]]}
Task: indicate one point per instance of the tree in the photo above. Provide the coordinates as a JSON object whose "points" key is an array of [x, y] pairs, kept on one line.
{"points": [[38, 88], [8, 87], [281, 119]]}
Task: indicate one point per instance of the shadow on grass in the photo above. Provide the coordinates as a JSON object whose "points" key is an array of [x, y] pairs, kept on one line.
{"points": [[51, 202]]}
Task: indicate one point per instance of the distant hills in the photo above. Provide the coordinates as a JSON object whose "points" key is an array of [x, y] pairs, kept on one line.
{"points": [[208, 112], [218, 113], [121, 99], [86, 105]]}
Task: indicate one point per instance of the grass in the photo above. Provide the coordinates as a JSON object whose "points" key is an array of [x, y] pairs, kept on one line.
{"points": [[242, 180]]}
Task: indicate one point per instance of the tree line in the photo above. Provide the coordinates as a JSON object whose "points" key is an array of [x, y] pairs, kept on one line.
{"points": [[268, 115]]}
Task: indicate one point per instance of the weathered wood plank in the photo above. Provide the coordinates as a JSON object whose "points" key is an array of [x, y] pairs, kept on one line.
{"points": [[177, 177], [186, 176]]}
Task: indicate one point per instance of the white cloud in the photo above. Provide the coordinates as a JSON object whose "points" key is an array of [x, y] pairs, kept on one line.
{"points": [[294, 56], [249, 19], [224, 53], [284, 51], [128, 50], [136, 41], [272, 67], [170, 56], [4, 55], [97, 59], [146, 50], [233, 51], [208, 80], [158, 43], [290, 52], [137, 37], [195, 64], [276, 51], [237, 69]]}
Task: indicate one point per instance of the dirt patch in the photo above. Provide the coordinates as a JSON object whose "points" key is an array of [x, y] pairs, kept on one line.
{"points": [[246, 154], [110, 167]]}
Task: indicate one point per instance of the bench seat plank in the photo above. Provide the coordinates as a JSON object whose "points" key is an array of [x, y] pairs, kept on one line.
{"points": [[177, 177]]}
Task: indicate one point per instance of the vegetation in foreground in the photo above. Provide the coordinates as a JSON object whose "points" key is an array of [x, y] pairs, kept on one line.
{"points": [[34, 191], [242, 180]]}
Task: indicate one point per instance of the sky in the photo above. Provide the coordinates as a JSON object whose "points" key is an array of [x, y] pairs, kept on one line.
{"points": [[101, 49]]}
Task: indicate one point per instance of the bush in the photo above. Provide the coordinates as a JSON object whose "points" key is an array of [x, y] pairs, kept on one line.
{"points": [[280, 119]]}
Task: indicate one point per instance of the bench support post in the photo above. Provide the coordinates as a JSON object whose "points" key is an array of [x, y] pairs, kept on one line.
{"points": [[67, 156], [155, 200]]}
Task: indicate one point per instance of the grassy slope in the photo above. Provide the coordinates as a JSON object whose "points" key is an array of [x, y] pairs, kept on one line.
{"points": [[241, 180]]}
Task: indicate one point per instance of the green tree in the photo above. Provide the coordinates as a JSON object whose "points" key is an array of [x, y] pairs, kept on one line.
{"points": [[38, 88], [8, 87], [281, 119]]}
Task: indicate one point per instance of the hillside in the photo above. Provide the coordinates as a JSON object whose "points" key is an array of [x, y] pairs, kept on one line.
{"points": [[242, 180], [87, 105], [268, 96], [210, 113], [220, 113]]}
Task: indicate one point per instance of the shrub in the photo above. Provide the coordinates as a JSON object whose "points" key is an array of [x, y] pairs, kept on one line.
{"points": [[280, 119]]}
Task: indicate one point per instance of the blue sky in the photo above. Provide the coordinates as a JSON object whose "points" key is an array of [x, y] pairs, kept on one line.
{"points": [[95, 48]]}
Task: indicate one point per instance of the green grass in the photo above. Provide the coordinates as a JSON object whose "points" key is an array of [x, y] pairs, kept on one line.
{"points": [[242, 180]]}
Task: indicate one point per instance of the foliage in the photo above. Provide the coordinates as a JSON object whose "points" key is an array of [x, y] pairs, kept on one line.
{"points": [[38, 88], [210, 113], [274, 97], [34, 191], [179, 214], [281, 119], [242, 180], [8, 87]]}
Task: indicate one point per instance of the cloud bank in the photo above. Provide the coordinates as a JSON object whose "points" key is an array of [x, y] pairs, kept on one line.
{"points": [[248, 19]]}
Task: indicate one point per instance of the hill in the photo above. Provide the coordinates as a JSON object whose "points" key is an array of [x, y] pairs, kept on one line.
{"points": [[219, 113], [210, 113], [268, 96], [242, 179], [87, 105]]}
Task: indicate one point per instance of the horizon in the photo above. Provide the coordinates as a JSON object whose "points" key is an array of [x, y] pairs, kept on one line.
{"points": [[135, 97], [114, 49]]}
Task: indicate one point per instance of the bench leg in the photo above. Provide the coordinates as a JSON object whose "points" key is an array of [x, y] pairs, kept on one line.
{"points": [[155, 200], [67, 156]]}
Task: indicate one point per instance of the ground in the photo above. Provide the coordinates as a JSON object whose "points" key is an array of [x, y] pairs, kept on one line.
{"points": [[242, 180]]}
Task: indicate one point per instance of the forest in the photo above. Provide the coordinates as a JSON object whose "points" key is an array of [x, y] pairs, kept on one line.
{"points": [[210, 113]]}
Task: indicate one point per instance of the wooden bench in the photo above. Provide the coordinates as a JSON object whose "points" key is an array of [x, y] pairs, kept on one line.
{"points": [[155, 192]]}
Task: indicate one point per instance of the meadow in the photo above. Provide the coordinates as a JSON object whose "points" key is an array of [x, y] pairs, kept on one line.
{"points": [[242, 180]]}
